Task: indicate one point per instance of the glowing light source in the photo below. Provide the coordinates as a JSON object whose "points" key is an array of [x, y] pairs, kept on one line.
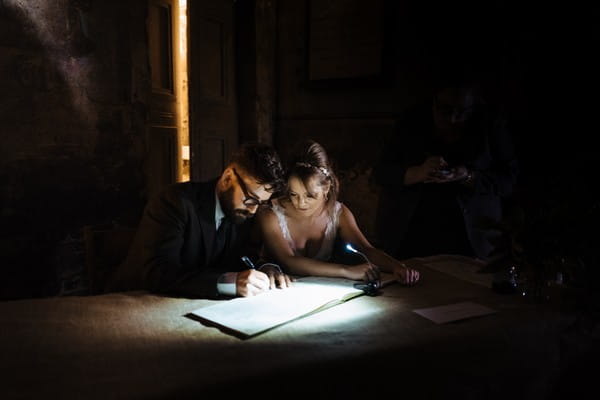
{"points": [[352, 249], [370, 288]]}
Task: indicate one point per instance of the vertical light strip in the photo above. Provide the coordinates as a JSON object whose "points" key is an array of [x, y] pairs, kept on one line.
{"points": [[182, 91]]}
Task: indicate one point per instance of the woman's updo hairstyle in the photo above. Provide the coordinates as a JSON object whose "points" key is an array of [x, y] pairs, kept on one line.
{"points": [[310, 160]]}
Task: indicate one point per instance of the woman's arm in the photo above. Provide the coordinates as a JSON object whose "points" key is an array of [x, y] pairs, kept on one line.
{"points": [[350, 233], [280, 250]]}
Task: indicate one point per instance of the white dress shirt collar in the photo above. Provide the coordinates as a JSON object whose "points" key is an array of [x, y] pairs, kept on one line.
{"points": [[219, 214]]}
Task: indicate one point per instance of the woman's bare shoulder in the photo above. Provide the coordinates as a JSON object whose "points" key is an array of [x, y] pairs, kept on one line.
{"points": [[346, 216], [344, 210]]}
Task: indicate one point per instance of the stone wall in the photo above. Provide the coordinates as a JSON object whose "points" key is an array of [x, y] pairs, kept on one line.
{"points": [[73, 77]]}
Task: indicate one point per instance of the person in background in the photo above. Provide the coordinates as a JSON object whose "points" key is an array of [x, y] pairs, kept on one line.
{"points": [[449, 164], [192, 235], [301, 227]]}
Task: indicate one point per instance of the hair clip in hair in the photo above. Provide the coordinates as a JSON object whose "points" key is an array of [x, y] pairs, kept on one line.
{"points": [[323, 170]]}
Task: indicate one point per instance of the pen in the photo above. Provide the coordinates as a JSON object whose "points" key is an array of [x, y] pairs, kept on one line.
{"points": [[248, 262]]}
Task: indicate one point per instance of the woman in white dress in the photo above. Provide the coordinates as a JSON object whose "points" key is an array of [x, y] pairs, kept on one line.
{"points": [[299, 230]]}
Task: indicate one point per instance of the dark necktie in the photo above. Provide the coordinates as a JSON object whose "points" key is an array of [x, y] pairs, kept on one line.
{"points": [[221, 238]]}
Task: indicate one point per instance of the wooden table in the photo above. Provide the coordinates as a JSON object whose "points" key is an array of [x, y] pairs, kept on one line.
{"points": [[136, 345]]}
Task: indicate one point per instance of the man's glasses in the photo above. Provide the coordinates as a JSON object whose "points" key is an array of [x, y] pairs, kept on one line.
{"points": [[249, 200]]}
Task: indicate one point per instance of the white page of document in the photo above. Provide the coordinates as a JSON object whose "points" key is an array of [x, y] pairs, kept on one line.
{"points": [[252, 315]]}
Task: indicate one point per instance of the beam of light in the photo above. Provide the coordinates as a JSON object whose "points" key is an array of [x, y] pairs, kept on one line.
{"points": [[182, 90], [182, 28], [52, 24], [353, 312]]}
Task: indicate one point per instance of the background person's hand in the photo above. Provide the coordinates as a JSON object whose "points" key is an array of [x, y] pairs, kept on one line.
{"points": [[426, 172], [431, 167], [251, 282], [455, 174]]}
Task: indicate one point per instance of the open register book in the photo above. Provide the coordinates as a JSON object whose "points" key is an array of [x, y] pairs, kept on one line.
{"points": [[249, 316]]}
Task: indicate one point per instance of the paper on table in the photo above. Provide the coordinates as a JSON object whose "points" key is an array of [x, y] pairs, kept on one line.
{"points": [[250, 316], [454, 312]]}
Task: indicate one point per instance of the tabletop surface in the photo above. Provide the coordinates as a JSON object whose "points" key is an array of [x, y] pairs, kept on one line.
{"points": [[139, 345]]}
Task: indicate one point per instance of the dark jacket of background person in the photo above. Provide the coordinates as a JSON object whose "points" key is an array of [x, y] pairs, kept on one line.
{"points": [[485, 148], [173, 252]]}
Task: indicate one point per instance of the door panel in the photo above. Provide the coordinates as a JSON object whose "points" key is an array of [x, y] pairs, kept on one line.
{"points": [[211, 70], [213, 112], [161, 134], [162, 154]]}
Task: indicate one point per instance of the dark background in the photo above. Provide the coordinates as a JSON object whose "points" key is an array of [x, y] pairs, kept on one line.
{"points": [[74, 107]]}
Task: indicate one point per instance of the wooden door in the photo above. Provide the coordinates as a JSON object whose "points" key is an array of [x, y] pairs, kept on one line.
{"points": [[213, 111], [161, 139]]}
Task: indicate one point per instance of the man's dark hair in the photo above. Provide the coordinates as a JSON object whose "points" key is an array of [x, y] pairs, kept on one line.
{"points": [[261, 162]]}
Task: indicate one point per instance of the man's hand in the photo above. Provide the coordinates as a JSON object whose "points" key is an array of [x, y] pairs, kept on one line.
{"points": [[251, 282]]}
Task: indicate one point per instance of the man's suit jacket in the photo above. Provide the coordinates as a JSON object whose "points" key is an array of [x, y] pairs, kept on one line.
{"points": [[172, 251]]}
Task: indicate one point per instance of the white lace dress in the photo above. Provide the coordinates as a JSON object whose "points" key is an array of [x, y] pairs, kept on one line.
{"points": [[326, 249]]}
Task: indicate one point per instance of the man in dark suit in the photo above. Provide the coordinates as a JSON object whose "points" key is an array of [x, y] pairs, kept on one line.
{"points": [[193, 234]]}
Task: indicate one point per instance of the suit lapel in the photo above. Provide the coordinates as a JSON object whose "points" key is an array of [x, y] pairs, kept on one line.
{"points": [[206, 217]]}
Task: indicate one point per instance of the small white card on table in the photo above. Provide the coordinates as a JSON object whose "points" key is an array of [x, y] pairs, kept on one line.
{"points": [[454, 312]]}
